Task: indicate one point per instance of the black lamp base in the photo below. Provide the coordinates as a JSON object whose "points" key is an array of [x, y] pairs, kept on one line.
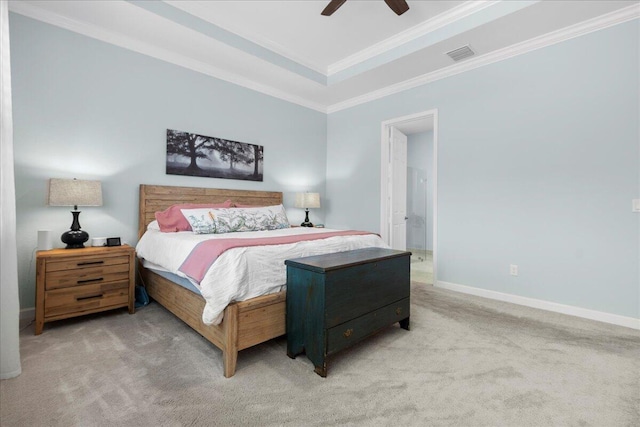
{"points": [[75, 237], [306, 222]]}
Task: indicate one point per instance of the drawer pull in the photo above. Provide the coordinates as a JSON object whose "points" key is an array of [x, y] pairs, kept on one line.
{"points": [[99, 279], [89, 297], [399, 311], [348, 333], [89, 263]]}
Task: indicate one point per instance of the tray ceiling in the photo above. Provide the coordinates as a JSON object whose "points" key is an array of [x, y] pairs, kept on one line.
{"points": [[362, 52]]}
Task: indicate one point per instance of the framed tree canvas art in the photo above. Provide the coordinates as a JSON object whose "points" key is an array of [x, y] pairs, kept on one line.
{"points": [[208, 156]]}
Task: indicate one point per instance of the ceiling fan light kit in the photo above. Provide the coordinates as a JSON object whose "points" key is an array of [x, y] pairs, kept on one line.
{"points": [[398, 6]]}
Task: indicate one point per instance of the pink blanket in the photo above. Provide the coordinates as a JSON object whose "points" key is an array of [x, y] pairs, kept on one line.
{"points": [[205, 253]]}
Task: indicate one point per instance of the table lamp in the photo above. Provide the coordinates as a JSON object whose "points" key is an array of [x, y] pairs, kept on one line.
{"points": [[306, 201], [74, 192]]}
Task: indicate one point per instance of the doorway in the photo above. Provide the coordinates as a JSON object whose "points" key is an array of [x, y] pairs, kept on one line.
{"points": [[416, 183]]}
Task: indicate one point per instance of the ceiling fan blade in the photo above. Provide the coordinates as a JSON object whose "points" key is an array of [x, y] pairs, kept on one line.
{"points": [[332, 7], [398, 6]]}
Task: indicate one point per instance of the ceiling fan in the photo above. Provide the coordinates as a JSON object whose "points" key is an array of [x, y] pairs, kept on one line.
{"points": [[398, 6]]}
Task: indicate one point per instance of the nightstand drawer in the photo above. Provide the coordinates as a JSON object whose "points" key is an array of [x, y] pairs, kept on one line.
{"points": [[85, 276], [72, 263], [88, 297]]}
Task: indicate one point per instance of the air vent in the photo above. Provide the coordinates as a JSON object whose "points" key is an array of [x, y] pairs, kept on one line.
{"points": [[461, 53]]}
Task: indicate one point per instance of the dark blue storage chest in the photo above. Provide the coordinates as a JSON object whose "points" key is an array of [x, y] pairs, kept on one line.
{"points": [[336, 300]]}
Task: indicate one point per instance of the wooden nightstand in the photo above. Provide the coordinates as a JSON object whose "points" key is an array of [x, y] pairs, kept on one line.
{"points": [[75, 282]]}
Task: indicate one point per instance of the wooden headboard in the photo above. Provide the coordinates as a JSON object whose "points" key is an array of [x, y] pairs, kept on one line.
{"points": [[155, 198]]}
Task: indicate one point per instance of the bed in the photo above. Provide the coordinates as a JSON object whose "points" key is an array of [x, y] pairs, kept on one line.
{"points": [[245, 323]]}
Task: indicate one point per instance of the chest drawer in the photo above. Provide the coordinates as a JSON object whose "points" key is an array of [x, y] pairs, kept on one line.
{"points": [[348, 333], [352, 292]]}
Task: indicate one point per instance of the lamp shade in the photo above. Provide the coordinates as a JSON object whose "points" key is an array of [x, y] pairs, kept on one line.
{"points": [[74, 192], [307, 200]]}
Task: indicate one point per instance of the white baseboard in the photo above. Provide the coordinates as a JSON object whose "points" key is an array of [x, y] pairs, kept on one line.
{"points": [[614, 319], [27, 315], [12, 374]]}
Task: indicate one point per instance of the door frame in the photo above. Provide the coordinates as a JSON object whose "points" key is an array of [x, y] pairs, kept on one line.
{"points": [[396, 167], [385, 177]]}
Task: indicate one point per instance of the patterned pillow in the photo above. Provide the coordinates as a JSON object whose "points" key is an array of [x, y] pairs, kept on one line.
{"points": [[218, 221], [172, 220]]}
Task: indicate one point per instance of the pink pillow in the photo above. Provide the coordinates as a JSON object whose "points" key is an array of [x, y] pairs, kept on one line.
{"points": [[171, 219]]}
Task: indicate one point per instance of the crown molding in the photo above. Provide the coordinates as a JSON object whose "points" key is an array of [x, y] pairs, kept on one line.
{"points": [[147, 49], [282, 51], [264, 42], [240, 40], [605, 21], [437, 22]]}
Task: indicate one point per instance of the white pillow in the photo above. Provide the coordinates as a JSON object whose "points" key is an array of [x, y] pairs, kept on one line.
{"points": [[153, 225], [229, 220]]}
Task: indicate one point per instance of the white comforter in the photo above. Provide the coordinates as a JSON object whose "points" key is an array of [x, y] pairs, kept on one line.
{"points": [[242, 273]]}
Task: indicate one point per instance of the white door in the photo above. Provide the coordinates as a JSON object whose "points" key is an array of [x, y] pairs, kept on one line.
{"points": [[398, 190]]}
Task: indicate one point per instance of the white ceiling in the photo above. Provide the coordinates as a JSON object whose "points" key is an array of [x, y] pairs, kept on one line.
{"points": [[362, 52]]}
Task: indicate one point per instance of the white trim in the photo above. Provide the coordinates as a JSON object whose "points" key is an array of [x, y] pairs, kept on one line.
{"points": [[605, 21], [384, 182], [160, 53], [264, 42], [12, 374], [447, 18], [385, 176], [27, 315], [435, 195], [614, 319]]}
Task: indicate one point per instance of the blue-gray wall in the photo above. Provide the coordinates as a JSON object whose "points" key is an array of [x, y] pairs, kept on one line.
{"points": [[83, 108], [538, 155], [538, 161]]}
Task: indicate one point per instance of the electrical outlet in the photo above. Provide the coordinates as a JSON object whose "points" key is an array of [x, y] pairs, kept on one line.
{"points": [[513, 269]]}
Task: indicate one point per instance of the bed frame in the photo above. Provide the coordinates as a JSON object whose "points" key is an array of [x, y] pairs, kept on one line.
{"points": [[245, 323]]}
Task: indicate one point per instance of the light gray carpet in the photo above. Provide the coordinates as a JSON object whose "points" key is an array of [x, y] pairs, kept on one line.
{"points": [[467, 361]]}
